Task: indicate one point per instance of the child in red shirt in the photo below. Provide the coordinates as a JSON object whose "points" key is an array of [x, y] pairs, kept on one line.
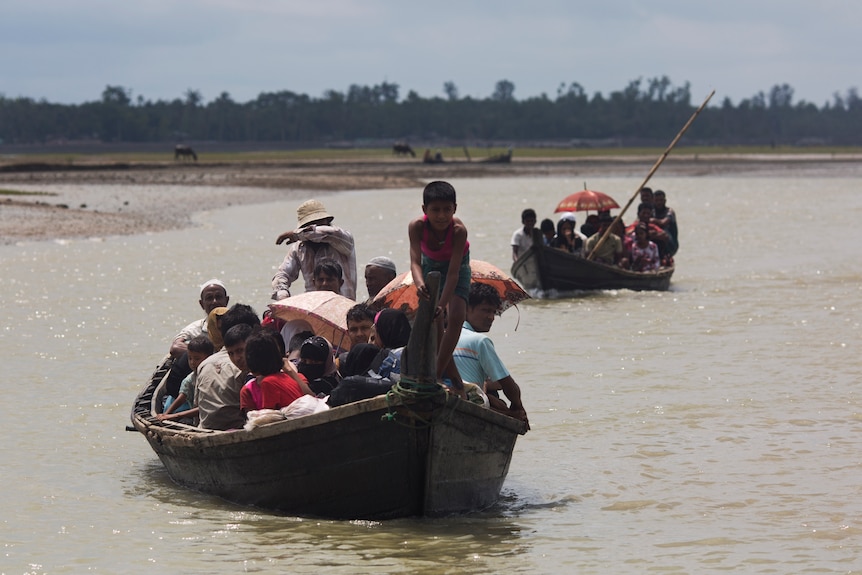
{"points": [[276, 383]]}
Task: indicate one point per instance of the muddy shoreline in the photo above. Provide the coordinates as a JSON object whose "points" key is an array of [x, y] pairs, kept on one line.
{"points": [[105, 199]]}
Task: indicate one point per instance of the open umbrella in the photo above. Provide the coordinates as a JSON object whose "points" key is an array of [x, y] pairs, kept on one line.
{"points": [[586, 200], [325, 311], [401, 293]]}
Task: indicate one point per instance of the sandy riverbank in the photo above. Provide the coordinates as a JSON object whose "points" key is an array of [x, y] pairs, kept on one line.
{"points": [[117, 199]]}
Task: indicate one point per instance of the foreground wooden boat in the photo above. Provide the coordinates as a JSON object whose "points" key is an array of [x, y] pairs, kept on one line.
{"points": [[543, 268], [402, 454]]}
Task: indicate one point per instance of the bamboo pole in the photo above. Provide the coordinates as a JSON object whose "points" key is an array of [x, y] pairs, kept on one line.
{"points": [[419, 359], [649, 175]]}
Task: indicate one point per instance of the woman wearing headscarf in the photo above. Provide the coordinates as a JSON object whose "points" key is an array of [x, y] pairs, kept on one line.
{"points": [[359, 359], [358, 379], [391, 333], [317, 365], [568, 238]]}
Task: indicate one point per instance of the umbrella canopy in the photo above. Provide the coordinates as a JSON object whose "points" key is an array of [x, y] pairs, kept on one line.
{"points": [[401, 293], [586, 200], [325, 311]]}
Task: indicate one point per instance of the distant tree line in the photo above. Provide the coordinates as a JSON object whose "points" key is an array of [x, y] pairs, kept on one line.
{"points": [[642, 113]]}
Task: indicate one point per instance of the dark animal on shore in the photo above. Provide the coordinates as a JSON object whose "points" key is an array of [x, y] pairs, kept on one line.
{"points": [[185, 152], [402, 149]]}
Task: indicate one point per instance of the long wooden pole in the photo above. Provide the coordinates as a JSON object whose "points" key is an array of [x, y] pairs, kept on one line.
{"points": [[649, 175]]}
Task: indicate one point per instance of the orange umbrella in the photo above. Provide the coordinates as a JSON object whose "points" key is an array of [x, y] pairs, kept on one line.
{"points": [[586, 200], [401, 293], [325, 311]]}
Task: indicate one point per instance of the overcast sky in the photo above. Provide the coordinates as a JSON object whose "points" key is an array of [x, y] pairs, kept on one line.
{"points": [[67, 51]]}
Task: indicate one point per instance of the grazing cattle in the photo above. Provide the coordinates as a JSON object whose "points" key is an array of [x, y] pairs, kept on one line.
{"points": [[402, 149], [185, 152]]}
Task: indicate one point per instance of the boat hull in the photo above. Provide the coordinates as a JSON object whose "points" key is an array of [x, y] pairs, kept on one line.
{"points": [[373, 459], [544, 269]]}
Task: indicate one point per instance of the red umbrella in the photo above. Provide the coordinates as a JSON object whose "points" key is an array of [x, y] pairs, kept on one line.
{"points": [[586, 200], [401, 293]]}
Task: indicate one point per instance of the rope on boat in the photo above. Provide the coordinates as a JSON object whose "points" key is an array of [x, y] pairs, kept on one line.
{"points": [[410, 391]]}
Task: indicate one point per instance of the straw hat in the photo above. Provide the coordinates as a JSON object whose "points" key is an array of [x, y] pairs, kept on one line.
{"points": [[311, 211]]}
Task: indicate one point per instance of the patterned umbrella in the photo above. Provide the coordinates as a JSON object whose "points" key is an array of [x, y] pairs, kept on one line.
{"points": [[401, 293], [325, 311], [586, 200]]}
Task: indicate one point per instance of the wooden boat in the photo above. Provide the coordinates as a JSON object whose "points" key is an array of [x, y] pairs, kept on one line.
{"points": [[395, 455], [498, 159], [543, 268]]}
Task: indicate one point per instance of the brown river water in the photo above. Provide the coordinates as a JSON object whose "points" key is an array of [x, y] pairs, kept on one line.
{"points": [[714, 427]]}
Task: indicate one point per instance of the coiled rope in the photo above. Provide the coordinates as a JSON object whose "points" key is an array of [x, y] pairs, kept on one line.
{"points": [[410, 391]]}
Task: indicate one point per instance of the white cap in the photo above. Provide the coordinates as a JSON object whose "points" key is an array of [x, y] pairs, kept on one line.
{"points": [[212, 282]]}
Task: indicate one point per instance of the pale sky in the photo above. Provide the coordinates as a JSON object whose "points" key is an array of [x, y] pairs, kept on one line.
{"points": [[67, 51]]}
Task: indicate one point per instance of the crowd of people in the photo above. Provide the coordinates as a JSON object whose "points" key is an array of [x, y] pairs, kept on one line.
{"points": [[645, 245], [234, 362]]}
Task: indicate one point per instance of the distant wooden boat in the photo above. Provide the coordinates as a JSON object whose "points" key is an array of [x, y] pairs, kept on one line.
{"points": [[498, 159], [543, 268], [394, 455]]}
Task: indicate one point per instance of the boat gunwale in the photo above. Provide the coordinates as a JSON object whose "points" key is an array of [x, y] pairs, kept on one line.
{"points": [[170, 431]]}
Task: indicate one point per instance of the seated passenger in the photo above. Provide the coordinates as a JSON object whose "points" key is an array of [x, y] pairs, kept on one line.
{"points": [[199, 348], [292, 328], [214, 327], [647, 196], [271, 388], [213, 294], [644, 255], [611, 251], [358, 380], [328, 276], [665, 218], [379, 271], [567, 239], [591, 226], [359, 359], [476, 358], [360, 323], [548, 230], [317, 364], [391, 334], [657, 235], [222, 375], [294, 346]]}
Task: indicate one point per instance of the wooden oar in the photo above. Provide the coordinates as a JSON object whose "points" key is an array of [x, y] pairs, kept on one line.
{"points": [[649, 175]]}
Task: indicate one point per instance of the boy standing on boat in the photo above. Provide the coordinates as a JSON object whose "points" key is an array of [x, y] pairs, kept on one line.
{"points": [[438, 242], [316, 239]]}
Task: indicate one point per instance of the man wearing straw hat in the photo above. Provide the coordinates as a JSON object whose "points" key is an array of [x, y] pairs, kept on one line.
{"points": [[316, 239]]}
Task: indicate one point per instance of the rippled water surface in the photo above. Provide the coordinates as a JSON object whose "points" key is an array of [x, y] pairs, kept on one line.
{"points": [[715, 427]]}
